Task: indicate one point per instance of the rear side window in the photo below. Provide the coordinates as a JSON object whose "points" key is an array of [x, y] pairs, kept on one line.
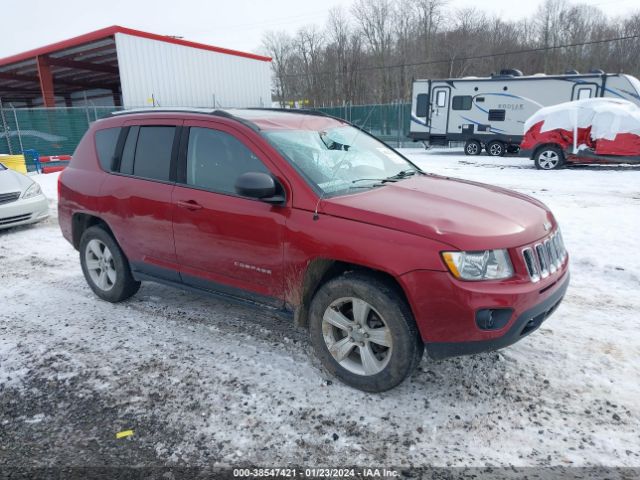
{"points": [[106, 143], [152, 158], [216, 159], [422, 105], [461, 102], [496, 115]]}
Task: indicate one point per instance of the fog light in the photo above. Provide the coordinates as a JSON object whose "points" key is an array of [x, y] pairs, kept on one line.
{"points": [[493, 318]]}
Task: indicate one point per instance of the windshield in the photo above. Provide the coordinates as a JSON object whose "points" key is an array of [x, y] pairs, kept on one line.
{"points": [[341, 159]]}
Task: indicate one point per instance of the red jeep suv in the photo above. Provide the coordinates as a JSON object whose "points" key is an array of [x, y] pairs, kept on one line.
{"points": [[306, 216]]}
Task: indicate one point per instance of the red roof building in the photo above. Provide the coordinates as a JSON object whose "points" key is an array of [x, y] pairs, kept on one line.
{"points": [[124, 67]]}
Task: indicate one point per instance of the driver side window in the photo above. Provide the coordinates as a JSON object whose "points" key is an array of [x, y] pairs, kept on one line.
{"points": [[216, 159]]}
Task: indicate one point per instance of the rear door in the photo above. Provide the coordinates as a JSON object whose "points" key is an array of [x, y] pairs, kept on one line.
{"points": [[137, 196], [226, 242], [439, 110]]}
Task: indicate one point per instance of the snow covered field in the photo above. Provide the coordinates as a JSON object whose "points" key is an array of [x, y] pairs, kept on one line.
{"points": [[205, 382]]}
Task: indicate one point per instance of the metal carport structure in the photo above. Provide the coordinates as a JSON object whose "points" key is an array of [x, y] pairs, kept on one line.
{"points": [[90, 67]]}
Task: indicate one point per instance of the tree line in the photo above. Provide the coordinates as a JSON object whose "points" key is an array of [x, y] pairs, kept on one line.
{"points": [[371, 52]]}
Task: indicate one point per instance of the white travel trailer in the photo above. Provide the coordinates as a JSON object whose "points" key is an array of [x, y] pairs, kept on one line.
{"points": [[489, 112]]}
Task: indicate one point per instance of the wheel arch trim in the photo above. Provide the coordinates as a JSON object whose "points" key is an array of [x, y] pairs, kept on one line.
{"points": [[320, 270], [81, 221]]}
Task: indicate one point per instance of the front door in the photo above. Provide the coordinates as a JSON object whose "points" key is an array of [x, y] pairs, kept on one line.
{"points": [[439, 110], [223, 241]]}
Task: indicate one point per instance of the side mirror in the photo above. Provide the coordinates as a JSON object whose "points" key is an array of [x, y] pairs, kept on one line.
{"points": [[258, 185]]}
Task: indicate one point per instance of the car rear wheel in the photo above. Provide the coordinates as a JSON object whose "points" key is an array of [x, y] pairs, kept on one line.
{"points": [[364, 333], [105, 267], [496, 149], [472, 147], [549, 158]]}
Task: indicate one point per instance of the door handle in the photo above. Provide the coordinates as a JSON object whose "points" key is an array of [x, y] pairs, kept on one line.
{"points": [[189, 204]]}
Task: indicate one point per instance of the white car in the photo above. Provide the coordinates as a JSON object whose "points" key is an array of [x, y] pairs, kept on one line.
{"points": [[21, 199]]}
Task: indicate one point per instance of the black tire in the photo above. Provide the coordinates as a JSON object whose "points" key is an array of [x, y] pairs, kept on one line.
{"points": [[124, 285], [496, 148], [472, 147], [387, 307], [549, 158]]}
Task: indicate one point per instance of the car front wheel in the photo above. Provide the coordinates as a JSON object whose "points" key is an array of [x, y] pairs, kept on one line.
{"points": [[105, 267], [363, 332], [549, 158]]}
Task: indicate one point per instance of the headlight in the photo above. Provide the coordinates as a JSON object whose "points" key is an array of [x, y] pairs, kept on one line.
{"points": [[33, 190], [481, 265]]}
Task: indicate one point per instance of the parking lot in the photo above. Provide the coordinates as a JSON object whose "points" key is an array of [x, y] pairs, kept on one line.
{"points": [[203, 381]]}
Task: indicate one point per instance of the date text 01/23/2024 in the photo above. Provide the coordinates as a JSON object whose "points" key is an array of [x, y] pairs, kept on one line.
{"points": [[314, 473]]}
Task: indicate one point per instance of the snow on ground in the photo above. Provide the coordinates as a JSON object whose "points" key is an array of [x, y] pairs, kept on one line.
{"points": [[203, 381]]}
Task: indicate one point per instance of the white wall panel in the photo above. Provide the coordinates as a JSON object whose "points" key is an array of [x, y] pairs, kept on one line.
{"points": [[182, 76]]}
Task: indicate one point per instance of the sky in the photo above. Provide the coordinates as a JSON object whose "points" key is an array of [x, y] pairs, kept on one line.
{"points": [[236, 24]]}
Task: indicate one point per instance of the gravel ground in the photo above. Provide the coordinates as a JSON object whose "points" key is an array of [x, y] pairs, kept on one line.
{"points": [[205, 382]]}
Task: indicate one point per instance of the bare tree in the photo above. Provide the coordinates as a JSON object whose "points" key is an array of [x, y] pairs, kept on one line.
{"points": [[375, 20], [371, 53], [279, 46], [344, 52], [430, 15], [309, 44], [405, 24]]}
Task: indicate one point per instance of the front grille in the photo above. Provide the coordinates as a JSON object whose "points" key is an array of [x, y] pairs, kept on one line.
{"points": [[545, 258], [15, 219], [9, 197], [530, 262]]}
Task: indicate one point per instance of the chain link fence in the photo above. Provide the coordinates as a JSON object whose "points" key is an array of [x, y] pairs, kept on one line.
{"points": [[57, 131], [388, 122], [49, 131]]}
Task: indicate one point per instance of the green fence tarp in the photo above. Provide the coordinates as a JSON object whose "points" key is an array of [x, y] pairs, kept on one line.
{"points": [[388, 122], [49, 131], [57, 131]]}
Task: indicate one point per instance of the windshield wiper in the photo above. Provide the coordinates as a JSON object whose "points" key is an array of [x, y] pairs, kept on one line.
{"points": [[393, 178], [381, 180], [380, 184], [403, 174]]}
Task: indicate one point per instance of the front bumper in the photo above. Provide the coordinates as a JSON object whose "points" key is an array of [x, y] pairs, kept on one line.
{"points": [[23, 212], [526, 323], [445, 309]]}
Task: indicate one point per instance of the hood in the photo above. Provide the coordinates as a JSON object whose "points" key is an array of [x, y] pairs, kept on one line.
{"points": [[463, 214], [11, 181]]}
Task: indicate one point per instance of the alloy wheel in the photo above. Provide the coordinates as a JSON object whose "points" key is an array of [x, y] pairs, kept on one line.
{"points": [[548, 159], [472, 149], [495, 150], [357, 336], [100, 265]]}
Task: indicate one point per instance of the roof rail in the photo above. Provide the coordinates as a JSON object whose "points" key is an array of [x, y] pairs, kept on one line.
{"points": [[203, 111], [305, 111], [207, 111]]}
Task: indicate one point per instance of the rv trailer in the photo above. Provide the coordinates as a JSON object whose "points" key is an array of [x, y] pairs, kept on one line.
{"points": [[489, 112]]}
